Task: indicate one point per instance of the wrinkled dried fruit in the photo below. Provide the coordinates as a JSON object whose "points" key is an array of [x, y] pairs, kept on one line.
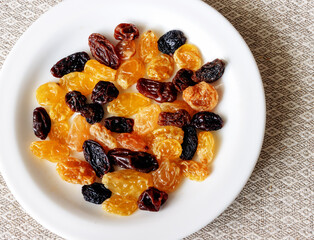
{"points": [[190, 142], [160, 67], [169, 149], [78, 81], [201, 97], [103, 136], [168, 176], [103, 50], [118, 205], [125, 49], [132, 142], [171, 41], [59, 132], [76, 171], [126, 31], [175, 106], [146, 119], [148, 47], [50, 150], [183, 79], [205, 147], [159, 91], [49, 94], [75, 100], [210, 72], [207, 121], [129, 72], [127, 104], [41, 123], [178, 119], [169, 132], [93, 112], [104, 92], [119, 124], [95, 155], [152, 199], [188, 56], [60, 112], [139, 161], [194, 170], [127, 182], [95, 193], [78, 133], [72, 63], [100, 71]]}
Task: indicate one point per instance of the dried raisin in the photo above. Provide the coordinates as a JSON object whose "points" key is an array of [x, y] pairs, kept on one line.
{"points": [[49, 94], [146, 119], [78, 133], [41, 123], [103, 136], [183, 79], [152, 199], [119, 124], [126, 31], [169, 149], [190, 142], [129, 72], [59, 132], [194, 170], [205, 147], [179, 118], [104, 92], [78, 81], [50, 150], [93, 112], [210, 72], [132, 142], [125, 49], [148, 47], [171, 41], [95, 193], [175, 106], [100, 71], [123, 206], [207, 121], [75, 100], [160, 67], [60, 112], [188, 56]]}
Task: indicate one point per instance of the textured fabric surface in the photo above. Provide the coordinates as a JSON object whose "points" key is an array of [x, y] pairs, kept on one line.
{"points": [[277, 201]]}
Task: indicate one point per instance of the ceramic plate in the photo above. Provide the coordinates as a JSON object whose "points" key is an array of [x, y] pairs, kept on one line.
{"points": [[64, 30]]}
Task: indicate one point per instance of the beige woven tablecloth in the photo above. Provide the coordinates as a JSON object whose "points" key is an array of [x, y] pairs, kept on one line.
{"points": [[277, 201]]}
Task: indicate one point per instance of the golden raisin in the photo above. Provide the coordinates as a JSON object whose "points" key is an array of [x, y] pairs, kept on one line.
{"points": [[132, 142], [60, 112], [194, 170], [176, 106], [205, 147], [127, 182], [188, 56], [168, 176], [59, 132], [127, 104], [78, 133], [76, 171], [167, 149], [168, 132], [79, 81], [201, 97], [50, 94], [125, 49], [123, 206], [103, 136], [160, 67], [50, 150], [148, 47], [129, 72], [99, 71], [146, 120]]}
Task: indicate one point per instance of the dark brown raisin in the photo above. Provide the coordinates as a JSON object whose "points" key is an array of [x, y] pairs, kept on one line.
{"points": [[159, 91], [190, 142], [139, 161], [41, 123], [152, 199], [95, 193], [179, 118], [93, 112], [72, 63], [183, 79], [126, 31], [207, 121], [103, 50], [95, 155], [119, 124], [171, 41], [104, 92], [210, 72], [75, 100]]}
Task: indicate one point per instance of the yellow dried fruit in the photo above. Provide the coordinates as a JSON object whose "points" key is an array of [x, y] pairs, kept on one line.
{"points": [[79, 81], [50, 94], [176, 106], [59, 132], [78, 133], [188, 56], [193, 170], [129, 72], [99, 71], [205, 147], [60, 112], [169, 149], [146, 120], [50, 150], [123, 206], [160, 67], [103, 136], [148, 47], [127, 104]]}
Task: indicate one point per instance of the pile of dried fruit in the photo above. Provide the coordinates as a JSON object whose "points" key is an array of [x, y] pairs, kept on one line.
{"points": [[139, 154]]}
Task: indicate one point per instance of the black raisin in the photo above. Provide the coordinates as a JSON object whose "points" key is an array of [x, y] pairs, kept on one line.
{"points": [[41, 123], [190, 142], [93, 112], [104, 92], [75, 100], [210, 72], [171, 41], [119, 124], [179, 118], [183, 79], [207, 121], [95, 193]]}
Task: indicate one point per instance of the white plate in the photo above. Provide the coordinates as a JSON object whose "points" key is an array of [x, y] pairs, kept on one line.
{"points": [[65, 29]]}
